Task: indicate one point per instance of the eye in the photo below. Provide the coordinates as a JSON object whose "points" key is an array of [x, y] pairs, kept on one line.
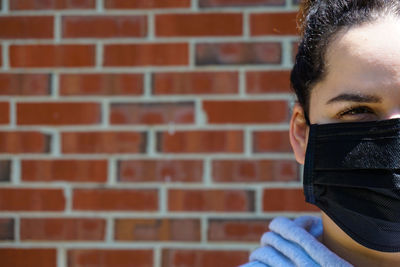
{"points": [[357, 113]]}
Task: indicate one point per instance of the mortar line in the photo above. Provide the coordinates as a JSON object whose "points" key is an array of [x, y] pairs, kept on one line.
{"points": [[258, 156], [151, 26], [287, 53], [285, 97], [152, 215], [13, 113], [192, 54], [162, 40], [68, 199], [142, 69], [204, 229], [152, 143], [55, 141], [112, 178], [147, 94], [61, 256], [5, 49], [201, 117], [207, 172], [246, 25], [99, 55], [5, 6], [109, 238], [55, 85], [258, 200], [57, 28], [242, 83], [157, 256], [105, 113], [163, 200], [248, 145], [125, 12], [99, 6], [227, 246], [17, 226], [16, 171], [194, 5]]}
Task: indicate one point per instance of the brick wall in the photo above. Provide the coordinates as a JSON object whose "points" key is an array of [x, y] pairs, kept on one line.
{"points": [[144, 132]]}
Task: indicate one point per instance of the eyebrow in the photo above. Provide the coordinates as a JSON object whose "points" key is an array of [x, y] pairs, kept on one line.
{"points": [[360, 98]]}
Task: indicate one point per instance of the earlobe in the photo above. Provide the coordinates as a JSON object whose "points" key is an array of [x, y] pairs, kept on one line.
{"points": [[298, 133]]}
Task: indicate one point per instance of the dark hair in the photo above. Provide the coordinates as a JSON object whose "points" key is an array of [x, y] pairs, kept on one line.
{"points": [[319, 21]]}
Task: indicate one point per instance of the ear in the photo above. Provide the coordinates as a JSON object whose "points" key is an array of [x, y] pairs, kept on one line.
{"points": [[298, 133]]}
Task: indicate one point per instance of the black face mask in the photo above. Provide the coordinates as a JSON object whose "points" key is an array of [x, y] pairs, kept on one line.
{"points": [[352, 173]]}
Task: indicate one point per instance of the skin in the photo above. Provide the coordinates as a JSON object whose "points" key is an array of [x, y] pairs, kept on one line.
{"points": [[362, 83]]}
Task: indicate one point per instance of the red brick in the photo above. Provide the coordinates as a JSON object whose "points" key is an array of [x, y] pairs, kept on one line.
{"points": [[242, 3], [103, 142], [21, 199], [115, 200], [24, 142], [197, 25], [238, 53], [254, 171], [273, 24], [246, 111], [104, 26], [64, 170], [4, 113], [49, 56], [25, 27], [154, 54], [58, 114], [110, 258], [264, 82], [200, 142], [65, 229], [152, 113], [271, 141], [283, 199], [157, 229], [195, 83], [236, 230], [51, 4], [145, 4], [22, 257], [214, 200], [160, 171], [6, 229], [200, 258], [107, 84], [24, 84], [5, 170]]}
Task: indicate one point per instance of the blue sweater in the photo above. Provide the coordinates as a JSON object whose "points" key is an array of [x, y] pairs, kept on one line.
{"points": [[294, 243]]}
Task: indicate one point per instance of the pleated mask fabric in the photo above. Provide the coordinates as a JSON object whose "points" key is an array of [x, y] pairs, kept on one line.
{"points": [[352, 173]]}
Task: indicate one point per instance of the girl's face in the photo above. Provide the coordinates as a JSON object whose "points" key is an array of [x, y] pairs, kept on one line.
{"points": [[362, 82]]}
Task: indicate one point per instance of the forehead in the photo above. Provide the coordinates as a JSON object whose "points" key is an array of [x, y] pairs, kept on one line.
{"points": [[362, 58], [374, 44]]}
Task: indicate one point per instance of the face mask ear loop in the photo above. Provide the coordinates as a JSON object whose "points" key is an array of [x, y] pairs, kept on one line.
{"points": [[307, 119]]}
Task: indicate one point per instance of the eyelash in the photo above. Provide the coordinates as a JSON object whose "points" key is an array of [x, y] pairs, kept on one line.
{"points": [[355, 110]]}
